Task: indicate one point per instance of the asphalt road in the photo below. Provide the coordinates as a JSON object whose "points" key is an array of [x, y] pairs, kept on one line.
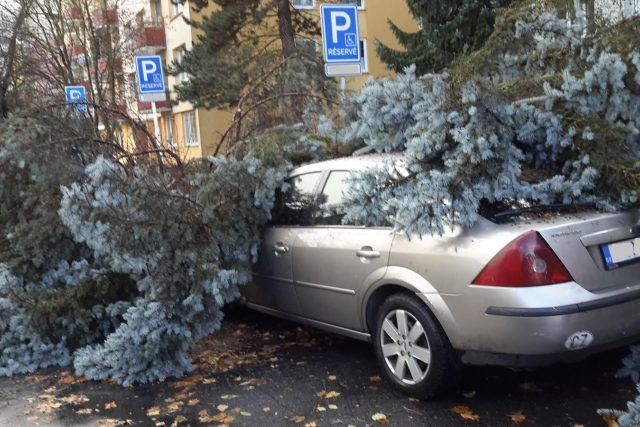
{"points": [[261, 371]]}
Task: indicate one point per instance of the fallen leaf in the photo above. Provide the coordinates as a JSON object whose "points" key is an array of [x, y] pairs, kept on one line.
{"points": [[245, 413], [33, 418], [610, 419], [332, 378], [193, 402], [175, 406], [110, 405], [110, 422], [333, 407], [74, 399], [320, 408], [414, 399], [518, 417], [266, 409], [153, 411], [465, 412], [85, 411], [311, 424], [229, 396], [298, 419], [160, 424], [375, 379], [178, 420], [209, 381], [223, 408], [470, 394], [36, 378], [222, 417], [67, 379], [327, 394], [380, 418]]}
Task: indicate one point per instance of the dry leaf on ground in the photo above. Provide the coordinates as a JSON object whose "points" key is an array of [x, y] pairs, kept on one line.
{"points": [[110, 422], [518, 417], [465, 412], [153, 411], [110, 405], [380, 418], [178, 420], [375, 379], [332, 378], [298, 419], [193, 402]]}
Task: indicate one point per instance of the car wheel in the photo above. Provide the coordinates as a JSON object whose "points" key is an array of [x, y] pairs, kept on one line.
{"points": [[412, 348]]}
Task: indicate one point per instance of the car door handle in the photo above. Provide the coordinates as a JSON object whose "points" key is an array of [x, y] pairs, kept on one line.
{"points": [[367, 253], [280, 248]]}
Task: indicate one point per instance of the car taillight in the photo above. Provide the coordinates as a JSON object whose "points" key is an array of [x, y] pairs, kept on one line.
{"points": [[527, 261]]}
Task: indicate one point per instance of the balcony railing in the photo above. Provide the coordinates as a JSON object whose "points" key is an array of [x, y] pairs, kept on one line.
{"points": [[73, 14], [150, 38], [76, 49], [105, 17]]}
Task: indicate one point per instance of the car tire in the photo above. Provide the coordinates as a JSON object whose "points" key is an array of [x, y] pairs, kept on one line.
{"points": [[412, 348]]}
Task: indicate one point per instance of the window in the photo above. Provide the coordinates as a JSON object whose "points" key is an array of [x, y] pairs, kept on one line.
{"points": [[189, 129], [178, 56], [364, 63], [331, 201], [170, 125], [295, 205], [177, 7], [304, 4]]}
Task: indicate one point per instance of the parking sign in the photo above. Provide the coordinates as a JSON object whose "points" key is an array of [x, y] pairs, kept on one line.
{"points": [[150, 74], [76, 96], [340, 33]]}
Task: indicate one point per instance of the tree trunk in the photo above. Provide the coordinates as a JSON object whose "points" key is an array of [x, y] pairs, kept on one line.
{"points": [[6, 75], [285, 27]]}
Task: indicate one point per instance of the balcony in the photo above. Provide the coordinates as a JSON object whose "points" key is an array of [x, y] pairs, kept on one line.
{"points": [[105, 17], [106, 65], [76, 50], [150, 39], [73, 14]]}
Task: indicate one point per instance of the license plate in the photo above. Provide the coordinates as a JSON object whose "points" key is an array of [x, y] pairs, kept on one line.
{"points": [[620, 253]]}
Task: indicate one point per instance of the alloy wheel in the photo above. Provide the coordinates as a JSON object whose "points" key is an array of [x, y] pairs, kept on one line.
{"points": [[405, 346]]}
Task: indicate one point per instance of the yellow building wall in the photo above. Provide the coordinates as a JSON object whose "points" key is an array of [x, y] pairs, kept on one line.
{"points": [[212, 124]]}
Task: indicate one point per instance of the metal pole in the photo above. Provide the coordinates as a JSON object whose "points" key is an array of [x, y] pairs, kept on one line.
{"points": [[343, 87], [156, 128]]}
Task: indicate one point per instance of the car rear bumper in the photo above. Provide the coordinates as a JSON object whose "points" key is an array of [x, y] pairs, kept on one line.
{"points": [[537, 326]]}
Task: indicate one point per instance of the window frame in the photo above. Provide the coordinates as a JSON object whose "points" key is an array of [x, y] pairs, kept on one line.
{"points": [[314, 195], [313, 5], [189, 142]]}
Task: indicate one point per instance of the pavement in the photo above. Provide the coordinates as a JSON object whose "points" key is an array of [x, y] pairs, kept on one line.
{"points": [[262, 371]]}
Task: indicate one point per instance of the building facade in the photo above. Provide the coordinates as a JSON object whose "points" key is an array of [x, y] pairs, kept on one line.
{"points": [[195, 132]]}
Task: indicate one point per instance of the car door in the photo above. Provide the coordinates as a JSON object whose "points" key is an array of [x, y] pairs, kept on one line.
{"points": [[334, 263], [272, 284]]}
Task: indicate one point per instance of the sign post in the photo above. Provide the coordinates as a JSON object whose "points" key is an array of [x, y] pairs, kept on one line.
{"points": [[151, 86], [76, 96], [341, 41]]}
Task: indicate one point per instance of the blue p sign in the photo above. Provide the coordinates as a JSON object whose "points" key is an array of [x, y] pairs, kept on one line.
{"points": [[150, 74], [76, 96], [340, 33]]}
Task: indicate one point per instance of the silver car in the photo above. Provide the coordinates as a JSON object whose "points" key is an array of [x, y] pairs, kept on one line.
{"points": [[521, 290]]}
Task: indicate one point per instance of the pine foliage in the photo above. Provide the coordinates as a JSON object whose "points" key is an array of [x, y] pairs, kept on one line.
{"points": [[447, 29], [464, 144]]}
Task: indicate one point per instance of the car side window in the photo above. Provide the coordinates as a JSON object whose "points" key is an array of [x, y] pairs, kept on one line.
{"points": [[331, 200], [295, 205]]}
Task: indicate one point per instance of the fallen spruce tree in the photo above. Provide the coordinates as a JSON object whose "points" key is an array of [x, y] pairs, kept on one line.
{"points": [[119, 264]]}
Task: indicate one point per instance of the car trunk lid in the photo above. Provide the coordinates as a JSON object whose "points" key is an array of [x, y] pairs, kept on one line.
{"points": [[600, 251]]}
